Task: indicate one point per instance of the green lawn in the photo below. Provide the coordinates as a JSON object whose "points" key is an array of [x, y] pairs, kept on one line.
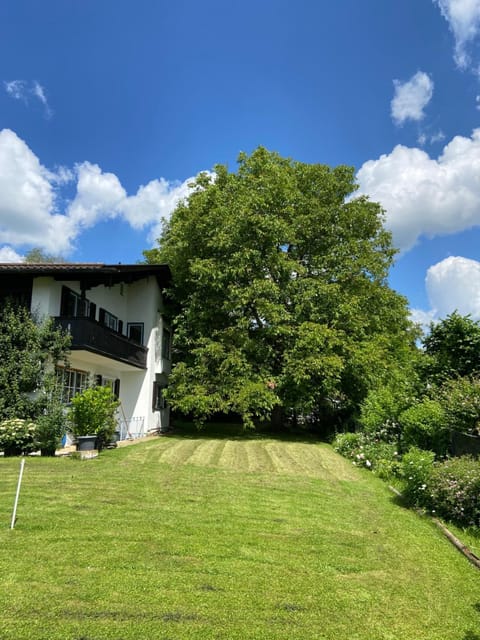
{"points": [[210, 538]]}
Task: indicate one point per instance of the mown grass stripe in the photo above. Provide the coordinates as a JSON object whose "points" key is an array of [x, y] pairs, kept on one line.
{"points": [[205, 538]]}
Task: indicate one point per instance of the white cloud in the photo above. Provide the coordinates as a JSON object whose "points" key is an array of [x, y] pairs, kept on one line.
{"points": [[152, 202], [27, 198], [463, 17], [424, 138], [29, 214], [411, 98], [23, 90], [452, 285], [437, 137], [7, 254], [39, 92], [98, 196], [16, 89], [426, 196], [422, 318]]}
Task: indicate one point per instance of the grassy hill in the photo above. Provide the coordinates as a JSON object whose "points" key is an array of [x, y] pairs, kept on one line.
{"points": [[223, 538]]}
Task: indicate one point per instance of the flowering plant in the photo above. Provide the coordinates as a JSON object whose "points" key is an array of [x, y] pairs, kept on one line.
{"points": [[454, 491], [369, 452], [17, 436]]}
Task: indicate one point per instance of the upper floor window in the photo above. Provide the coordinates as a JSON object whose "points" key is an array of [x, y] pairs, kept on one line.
{"points": [[135, 331], [166, 343], [109, 320], [74, 305]]}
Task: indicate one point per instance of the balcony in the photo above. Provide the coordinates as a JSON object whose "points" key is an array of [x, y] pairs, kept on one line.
{"points": [[91, 336]]}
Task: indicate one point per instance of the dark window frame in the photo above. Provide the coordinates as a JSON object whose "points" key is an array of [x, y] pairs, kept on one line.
{"points": [[135, 325]]}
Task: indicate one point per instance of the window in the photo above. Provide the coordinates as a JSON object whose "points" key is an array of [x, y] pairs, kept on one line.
{"points": [[74, 305], [72, 381], [109, 320], [158, 399], [166, 343], [135, 331]]}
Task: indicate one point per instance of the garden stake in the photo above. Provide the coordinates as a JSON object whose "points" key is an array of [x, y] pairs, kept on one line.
{"points": [[14, 514]]}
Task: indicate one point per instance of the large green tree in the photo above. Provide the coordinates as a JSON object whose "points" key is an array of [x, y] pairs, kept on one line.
{"points": [[29, 349], [280, 290]]}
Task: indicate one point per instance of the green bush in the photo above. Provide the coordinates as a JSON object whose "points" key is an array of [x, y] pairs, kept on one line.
{"points": [[423, 426], [460, 398], [454, 491], [370, 453], [93, 413], [382, 407], [347, 444], [17, 437], [415, 470], [51, 426]]}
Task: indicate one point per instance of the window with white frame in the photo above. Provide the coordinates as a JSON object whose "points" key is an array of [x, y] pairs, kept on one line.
{"points": [[72, 381]]}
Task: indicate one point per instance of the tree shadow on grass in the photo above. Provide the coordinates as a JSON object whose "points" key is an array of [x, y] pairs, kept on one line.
{"points": [[235, 431], [470, 634]]}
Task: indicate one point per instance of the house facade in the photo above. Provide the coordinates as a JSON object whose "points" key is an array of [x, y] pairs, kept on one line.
{"points": [[115, 315]]}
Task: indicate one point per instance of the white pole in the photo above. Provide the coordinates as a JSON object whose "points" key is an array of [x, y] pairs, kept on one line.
{"points": [[14, 514]]}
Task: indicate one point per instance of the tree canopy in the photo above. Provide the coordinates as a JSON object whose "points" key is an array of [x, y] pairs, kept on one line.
{"points": [[29, 349], [38, 256], [280, 292], [453, 348]]}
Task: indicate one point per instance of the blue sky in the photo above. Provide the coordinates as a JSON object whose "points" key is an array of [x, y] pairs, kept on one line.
{"points": [[108, 108]]}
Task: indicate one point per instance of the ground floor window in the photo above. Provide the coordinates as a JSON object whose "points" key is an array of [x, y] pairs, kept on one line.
{"points": [[72, 381], [158, 399]]}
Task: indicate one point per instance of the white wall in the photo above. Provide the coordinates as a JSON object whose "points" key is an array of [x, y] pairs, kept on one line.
{"points": [[140, 301], [46, 296]]}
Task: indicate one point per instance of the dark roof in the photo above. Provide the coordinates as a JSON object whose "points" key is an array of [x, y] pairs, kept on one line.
{"points": [[91, 274]]}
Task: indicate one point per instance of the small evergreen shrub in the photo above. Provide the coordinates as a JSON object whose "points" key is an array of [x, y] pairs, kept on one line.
{"points": [[415, 470], [454, 490], [17, 437]]}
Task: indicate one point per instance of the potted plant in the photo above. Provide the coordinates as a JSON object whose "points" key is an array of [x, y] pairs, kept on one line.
{"points": [[92, 417]]}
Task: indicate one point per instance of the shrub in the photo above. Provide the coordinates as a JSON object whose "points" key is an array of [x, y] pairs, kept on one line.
{"points": [[460, 398], [50, 429], [382, 407], [93, 413], [370, 453], [347, 444], [17, 437], [423, 426], [415, 470], [454, 490]]}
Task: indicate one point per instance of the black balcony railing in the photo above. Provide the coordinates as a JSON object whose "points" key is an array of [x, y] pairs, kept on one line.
{"points": [[94, 337]]}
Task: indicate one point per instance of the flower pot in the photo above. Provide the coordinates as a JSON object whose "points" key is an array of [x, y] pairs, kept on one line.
{"points": [[86, 443]]}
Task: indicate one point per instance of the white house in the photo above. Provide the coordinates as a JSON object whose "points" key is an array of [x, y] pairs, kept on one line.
{"points": [[115, 315]]}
